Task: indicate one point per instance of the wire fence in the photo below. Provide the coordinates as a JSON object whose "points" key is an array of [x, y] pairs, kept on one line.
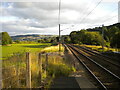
{"points": [[28, 70], [13, 70]]}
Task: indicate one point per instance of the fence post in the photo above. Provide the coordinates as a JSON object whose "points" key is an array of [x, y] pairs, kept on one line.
{"points": [[46, 61], [28, 70], [17, 70], [0, 75], [46, 64], [40, 66]]}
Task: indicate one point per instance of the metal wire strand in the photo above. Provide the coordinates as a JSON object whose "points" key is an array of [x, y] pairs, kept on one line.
{"points": [[7, 78], [13, 84], [9, 67], [11, 77]]}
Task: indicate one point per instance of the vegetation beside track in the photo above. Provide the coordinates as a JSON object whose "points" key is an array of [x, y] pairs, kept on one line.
{"points": [[56, 64], [99, 48]]}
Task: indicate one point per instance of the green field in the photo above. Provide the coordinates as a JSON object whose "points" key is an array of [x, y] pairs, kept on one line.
{"points": [[57, 65], [8, 51]]}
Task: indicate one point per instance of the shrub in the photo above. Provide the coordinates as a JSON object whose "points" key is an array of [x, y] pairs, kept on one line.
{"points": [[6, 39]]}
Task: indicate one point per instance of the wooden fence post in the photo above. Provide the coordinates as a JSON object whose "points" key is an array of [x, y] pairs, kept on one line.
{"points": [[17, 70], [46, 61], [40, 66], [74, 64], [28, 70], [0, 75], [46, 64]]}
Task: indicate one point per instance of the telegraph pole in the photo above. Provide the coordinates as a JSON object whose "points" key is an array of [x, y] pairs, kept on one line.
{"points": [[103, 37], [59, 25], [59, 39]]}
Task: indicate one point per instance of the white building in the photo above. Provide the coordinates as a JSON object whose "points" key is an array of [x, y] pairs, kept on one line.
{"points": [[119, 11]]}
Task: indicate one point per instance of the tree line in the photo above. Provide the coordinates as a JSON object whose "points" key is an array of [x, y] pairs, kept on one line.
{"points": [[6, 39], [108, 34]]}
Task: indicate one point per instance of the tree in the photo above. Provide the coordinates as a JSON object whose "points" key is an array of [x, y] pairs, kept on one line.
{"points": [[41, 41], [115, 42], [57, 39], [85, 37], [6, 39], [17, 41], [111, 32], [111, 36], [92, 38], [67, 39], [73, 37]]}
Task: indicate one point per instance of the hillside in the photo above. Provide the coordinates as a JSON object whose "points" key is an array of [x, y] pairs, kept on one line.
{"points": [[31, 37]]}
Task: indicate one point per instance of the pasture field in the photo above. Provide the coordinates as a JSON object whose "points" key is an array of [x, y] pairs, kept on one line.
{"points": [[57, 65], [8, 51]]}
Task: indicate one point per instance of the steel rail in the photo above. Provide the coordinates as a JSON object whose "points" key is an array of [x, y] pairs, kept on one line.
{"points": [[96, 63], [100, 55], [87, 68], [92, 52]]}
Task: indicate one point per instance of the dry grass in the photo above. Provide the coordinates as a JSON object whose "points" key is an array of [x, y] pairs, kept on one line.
{"points": [[53, 49], [56, 67], [99, 48]]}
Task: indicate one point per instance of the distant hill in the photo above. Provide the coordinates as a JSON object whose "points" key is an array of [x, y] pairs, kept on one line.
{"points": [[32, 37]]}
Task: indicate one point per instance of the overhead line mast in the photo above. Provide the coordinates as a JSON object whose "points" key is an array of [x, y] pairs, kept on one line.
{"points": [[59, 25]]}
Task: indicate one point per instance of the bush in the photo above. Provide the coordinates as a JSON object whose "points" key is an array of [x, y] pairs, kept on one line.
{"points": [[6, 39], [17, 41], [59, 70], [115, 42]]}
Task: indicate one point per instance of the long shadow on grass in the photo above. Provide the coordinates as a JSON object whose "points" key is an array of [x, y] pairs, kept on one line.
{"points": [[36, 46]]}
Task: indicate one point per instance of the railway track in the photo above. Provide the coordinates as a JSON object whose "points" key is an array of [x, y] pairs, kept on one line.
{"points": [[108, 63], [102, 75], [105, 57]]}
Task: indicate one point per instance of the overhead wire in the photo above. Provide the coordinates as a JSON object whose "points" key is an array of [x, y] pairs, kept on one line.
{"points": [[83, 12], [87, 9], [109, 18], [106, 15], [91, 11]]}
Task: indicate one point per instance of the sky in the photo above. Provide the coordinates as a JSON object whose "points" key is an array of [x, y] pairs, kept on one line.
{"points": [[41, 16]]}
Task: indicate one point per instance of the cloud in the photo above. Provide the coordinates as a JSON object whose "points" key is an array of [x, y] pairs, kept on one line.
{"points": [[25, 26], [42, 17], [53, 0]]}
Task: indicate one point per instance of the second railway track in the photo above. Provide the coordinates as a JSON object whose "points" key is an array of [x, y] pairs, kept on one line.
{"points": [[105, 77], [108, 63], [106, 58]]}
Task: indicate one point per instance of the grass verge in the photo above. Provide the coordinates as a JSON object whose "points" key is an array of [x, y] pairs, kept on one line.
{"points": [[99, 48], [56, 66]]}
